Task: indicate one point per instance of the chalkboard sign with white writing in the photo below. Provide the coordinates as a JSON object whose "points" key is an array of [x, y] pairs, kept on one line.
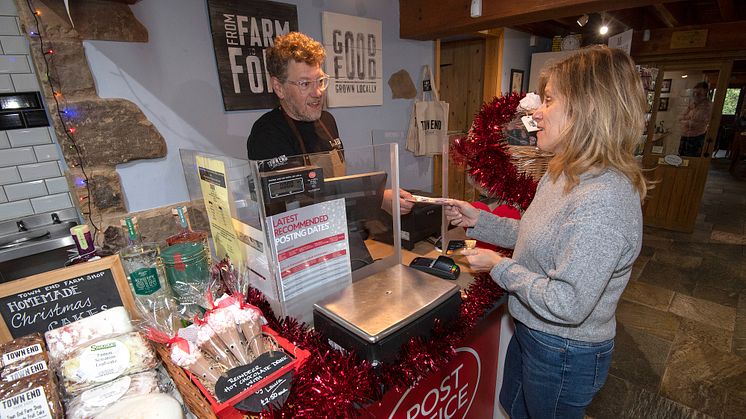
{"points": [[238, 379], [57, 298]]}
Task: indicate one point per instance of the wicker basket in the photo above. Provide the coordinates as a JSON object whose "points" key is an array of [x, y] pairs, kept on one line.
{"points": [[202, 404], [529, 160]]}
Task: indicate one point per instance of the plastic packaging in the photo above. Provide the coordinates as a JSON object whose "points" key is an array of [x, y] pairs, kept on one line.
{"points": [[91, 402], [104, 360], [30, 398]]}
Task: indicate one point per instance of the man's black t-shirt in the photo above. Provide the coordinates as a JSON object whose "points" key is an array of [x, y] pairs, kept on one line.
{"points": [[271, 136]]}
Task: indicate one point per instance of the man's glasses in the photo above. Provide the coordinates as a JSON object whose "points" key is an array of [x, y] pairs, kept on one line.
{"points": [[304, 85]]}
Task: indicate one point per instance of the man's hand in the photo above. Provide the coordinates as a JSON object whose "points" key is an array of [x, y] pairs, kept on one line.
{"points": [[405, 203], [405, 207]]}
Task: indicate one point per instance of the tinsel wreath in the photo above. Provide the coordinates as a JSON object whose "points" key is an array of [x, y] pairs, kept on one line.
{"points": [[335, 384], [484, 152]]}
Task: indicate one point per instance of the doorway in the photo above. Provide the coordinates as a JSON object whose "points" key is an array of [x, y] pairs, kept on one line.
{"points": [[682, 132]]}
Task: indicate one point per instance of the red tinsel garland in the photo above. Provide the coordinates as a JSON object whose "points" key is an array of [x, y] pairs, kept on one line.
{"points": [[335, 384], [484, 153]]}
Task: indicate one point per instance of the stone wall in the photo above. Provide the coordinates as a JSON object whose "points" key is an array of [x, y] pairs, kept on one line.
{"points": [[107, 132]]}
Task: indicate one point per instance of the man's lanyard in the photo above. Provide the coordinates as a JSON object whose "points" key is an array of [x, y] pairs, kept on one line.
{"points": [[332, 141]]}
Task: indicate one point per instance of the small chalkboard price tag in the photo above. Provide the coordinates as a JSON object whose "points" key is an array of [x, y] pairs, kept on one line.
{"points": [[56, 298], [241, 378]]}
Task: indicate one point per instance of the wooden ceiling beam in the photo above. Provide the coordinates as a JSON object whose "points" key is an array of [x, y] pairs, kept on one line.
{"points": [[665, 15], [426, 19], [727, 11]]}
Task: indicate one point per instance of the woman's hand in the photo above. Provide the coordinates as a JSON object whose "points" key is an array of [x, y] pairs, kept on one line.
{"points": [[481, 260], [461, 214]]}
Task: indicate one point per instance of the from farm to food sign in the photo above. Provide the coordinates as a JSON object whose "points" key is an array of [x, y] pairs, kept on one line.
{"points": [[354, 60], [241, 33]]}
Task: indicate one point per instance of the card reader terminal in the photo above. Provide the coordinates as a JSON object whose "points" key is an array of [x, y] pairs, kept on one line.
{"points": [[443, 267]]}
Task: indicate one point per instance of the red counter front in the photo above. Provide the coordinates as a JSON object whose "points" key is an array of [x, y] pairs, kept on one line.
{"points": [[465, 388]]}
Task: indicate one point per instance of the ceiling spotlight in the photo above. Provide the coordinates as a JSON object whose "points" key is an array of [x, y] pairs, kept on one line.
{"points": [[603, 30], [683, 76], [582, 20]]}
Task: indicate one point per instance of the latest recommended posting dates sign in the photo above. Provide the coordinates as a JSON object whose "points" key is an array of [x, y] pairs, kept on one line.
{"points": [[312, 247], [241, 33], [354, 60]]}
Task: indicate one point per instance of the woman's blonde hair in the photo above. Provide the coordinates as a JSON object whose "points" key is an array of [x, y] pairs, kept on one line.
{"points": [[605, 106]]}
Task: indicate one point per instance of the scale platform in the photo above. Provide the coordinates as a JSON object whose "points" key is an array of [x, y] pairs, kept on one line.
{"points": [[376, 315]]}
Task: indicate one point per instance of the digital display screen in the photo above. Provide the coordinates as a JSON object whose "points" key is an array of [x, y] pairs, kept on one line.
{"points": [[285, 187]]}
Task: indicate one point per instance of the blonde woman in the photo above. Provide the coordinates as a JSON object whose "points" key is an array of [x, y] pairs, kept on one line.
{"points": [[577, 241]]}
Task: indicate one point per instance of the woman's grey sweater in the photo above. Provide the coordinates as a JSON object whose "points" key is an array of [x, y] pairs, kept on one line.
{"points": [[573, 254]]}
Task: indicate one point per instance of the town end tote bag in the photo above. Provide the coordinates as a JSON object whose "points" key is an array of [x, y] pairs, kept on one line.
{"points": [[428, 125]]}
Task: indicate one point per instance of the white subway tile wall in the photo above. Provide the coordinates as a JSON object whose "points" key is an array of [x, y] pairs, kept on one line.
{"points": [[25, 82], [14, 44], [57, 185], [9, 175], [14, 64], [9, 25], [47, 152], [16, 156], [28, 136], [17, 209], [31, 172], [6, 84], [39, 171], [25, 190], [51, 203], [8, 7]]}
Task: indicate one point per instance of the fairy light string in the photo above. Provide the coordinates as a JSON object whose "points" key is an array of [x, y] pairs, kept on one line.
{"points": [[64, 117]]}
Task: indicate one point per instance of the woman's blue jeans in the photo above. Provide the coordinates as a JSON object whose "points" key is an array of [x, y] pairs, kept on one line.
{"points": [[547, 376]]}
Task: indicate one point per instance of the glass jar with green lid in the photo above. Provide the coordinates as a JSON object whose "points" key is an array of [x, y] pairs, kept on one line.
{"points": [[188, 272]]}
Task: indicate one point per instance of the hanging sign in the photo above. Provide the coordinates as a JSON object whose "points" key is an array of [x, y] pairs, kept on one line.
{"points": [[354, 60], [241, 33]]}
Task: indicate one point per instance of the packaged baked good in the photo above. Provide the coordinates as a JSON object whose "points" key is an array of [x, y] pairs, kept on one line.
{"points": [[32, 397], [93, 401], [35, 364], [60, 341], [150, 406], [21, 348], [104, 360]]}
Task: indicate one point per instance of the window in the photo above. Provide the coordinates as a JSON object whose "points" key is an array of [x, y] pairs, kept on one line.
{"points": [[731, 101]]}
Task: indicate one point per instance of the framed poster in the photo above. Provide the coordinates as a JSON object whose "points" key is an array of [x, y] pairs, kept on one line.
{"points": [[57, 298], [241, 33], [516, 80], [663, 104], [666, 86], [354, 60]]}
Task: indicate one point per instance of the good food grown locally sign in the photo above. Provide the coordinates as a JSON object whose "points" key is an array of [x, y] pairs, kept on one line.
{"points": [[354, 60], [241, 33]]}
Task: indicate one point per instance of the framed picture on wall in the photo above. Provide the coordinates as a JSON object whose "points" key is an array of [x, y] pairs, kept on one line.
{"points": [[516, 80], [666, 86], [663, 104]]}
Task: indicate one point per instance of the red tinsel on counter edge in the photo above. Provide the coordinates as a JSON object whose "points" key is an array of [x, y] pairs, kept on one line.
{"points": [[484, 153], [334, 384]]}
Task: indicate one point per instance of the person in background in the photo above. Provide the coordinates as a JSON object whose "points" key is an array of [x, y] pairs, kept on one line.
{"points": [[299, 125], [694, 121], [575, 245]]}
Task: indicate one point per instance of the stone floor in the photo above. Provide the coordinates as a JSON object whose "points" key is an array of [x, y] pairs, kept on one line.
{"points": [[681, 331]]}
